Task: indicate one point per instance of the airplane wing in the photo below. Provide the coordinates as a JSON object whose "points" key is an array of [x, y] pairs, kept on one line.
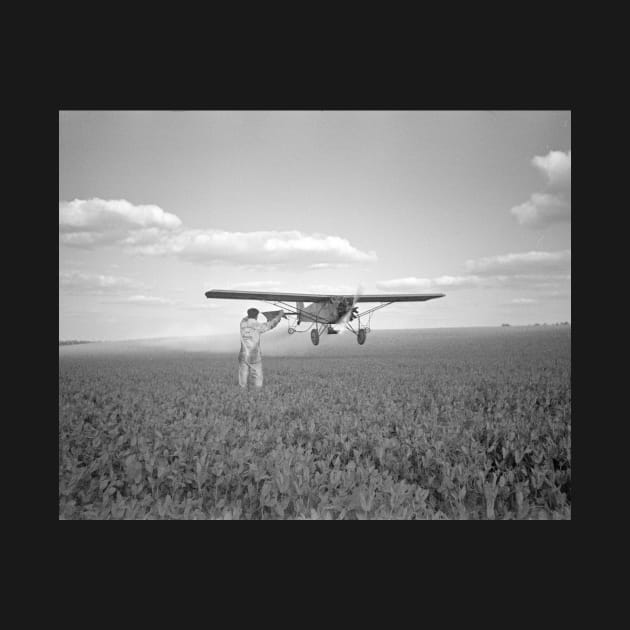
{"points": [[266, 296], [312, 297], [399, 297]]}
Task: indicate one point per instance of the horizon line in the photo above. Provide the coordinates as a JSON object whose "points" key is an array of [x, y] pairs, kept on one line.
{"points": [[504, 325]]}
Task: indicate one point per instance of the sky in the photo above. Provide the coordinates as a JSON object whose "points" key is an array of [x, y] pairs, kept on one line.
{"points": [[157, 207]]}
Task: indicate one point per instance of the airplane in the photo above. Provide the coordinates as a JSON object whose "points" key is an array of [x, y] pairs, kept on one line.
{"points": [[323, 311]]}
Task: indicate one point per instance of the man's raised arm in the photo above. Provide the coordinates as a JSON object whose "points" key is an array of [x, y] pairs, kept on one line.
{"points": [[272, 323]]}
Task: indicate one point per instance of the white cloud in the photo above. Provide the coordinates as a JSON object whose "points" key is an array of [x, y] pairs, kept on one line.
{"points": [[79, 283], [542, 210], [329, 266], [201, 306], [522, 263], [149, 300], [534, 270], [85, 223], [524, 301], [554, 205], [256, 284], [157, 301], [442, 282], [255, 248], [142, 300], [556, 165], [149, 230]]}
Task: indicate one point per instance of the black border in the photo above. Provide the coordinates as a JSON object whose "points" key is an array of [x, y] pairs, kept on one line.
{"points": [[425, 86]]}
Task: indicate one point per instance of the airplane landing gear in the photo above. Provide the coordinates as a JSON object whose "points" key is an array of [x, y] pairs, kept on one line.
{"points": [[315, 336], [361, 335]]}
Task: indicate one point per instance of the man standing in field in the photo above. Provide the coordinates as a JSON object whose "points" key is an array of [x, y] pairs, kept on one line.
{"points": [[250, 357]]}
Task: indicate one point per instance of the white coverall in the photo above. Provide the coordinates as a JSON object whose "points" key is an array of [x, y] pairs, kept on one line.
{"points": [[250, 356]]}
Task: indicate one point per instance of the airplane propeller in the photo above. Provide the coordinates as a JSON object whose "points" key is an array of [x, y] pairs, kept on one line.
{"points": [[352, 311]]}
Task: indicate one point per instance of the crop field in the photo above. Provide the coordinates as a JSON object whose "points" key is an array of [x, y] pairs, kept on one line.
{"points": [[426, 424]]}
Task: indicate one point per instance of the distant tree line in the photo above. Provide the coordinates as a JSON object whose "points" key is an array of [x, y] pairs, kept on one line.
{"points": [[544, 324], [72, 342]]}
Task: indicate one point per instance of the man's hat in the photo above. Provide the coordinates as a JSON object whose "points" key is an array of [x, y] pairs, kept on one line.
{"points": [[252, 312]]}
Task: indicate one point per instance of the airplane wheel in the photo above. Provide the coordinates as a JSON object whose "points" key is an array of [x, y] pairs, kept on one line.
{"points": [[361, 336], [291, 331], [315, 337]]}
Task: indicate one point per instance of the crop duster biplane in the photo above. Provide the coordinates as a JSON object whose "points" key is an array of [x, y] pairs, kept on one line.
{"points": [[323, 311]]}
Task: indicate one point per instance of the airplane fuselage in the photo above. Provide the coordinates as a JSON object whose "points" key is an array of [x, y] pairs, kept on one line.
{"points": [[329, 312]]}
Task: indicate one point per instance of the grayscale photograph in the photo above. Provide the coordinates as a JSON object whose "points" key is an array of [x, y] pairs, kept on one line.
{"points": [[315, 314]]}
